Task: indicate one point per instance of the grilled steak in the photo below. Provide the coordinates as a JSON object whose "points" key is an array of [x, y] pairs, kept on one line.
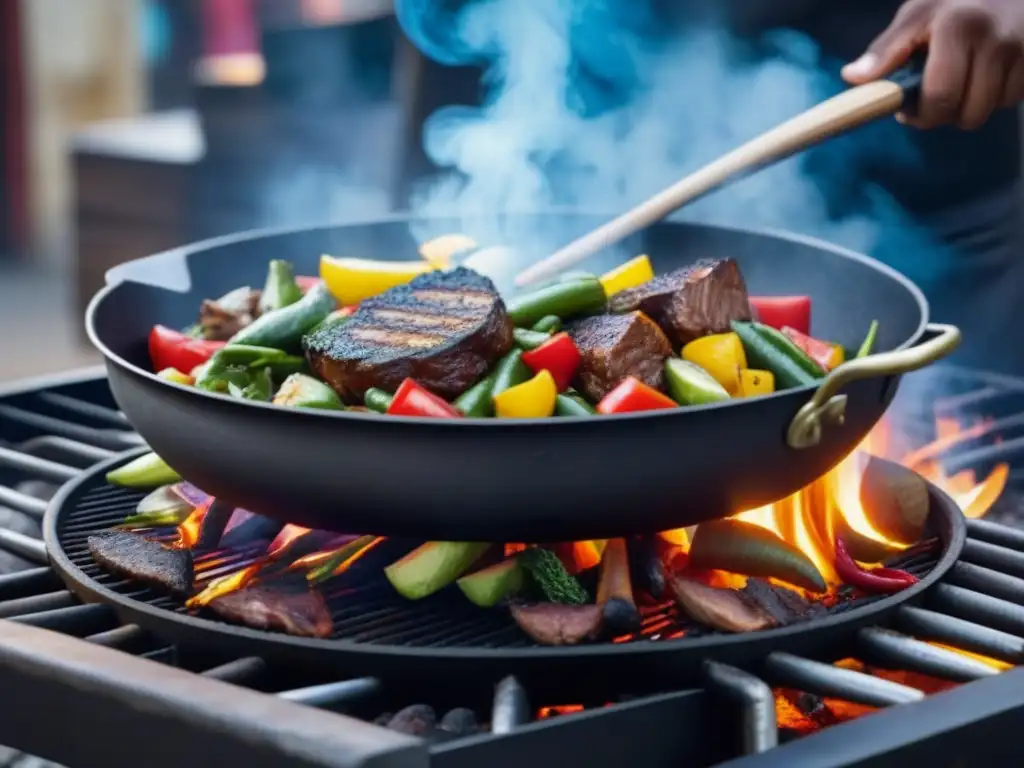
{"points": [[616, 346], [555, 624], [690, 302], [301, 612], [131, 555], [444, 329]]}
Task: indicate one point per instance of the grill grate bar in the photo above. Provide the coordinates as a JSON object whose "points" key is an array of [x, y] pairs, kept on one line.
{"points": [[961, 634], [86, 409], [24, 606], [78, 620], [895, 651], [120, 637], [22, 502], [334, 694], [238, 671], [788, 671], [115, 439], [994, 556], [24, 546], [759, 727], [34, 581], [979, 608], [511, 707], [61, 450], [993, 533], [36, 467], [994, 583]]}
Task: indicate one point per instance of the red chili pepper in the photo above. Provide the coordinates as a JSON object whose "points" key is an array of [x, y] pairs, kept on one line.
{"points": [[824, 353], [413, 400], [633, 395], [882, 580], [780, 311], [559, 356], [305, 282], [171, 349]]}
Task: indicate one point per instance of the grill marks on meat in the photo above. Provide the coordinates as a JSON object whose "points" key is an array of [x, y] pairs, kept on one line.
{"points": [[690, 302], [616, 346], [294, 610], [141, 559], [444, 329]]}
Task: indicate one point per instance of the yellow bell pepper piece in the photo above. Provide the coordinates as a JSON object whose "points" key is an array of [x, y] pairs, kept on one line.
{"points": [[439, 252], [352, 280], [533, 399], [629, 275], [722, 356], [754, 382]]}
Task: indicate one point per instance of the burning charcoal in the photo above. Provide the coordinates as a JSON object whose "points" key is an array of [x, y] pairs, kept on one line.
{"points": [[722, 609], [895, 500], [557, 624], [296, 611], [415, 720], [139, 558], [783, 605], [460, 721]]}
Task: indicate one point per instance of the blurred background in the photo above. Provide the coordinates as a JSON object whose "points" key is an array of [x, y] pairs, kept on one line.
{"points": [[131, 126]]}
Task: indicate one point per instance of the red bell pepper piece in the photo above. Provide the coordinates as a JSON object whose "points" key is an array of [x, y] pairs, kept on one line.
{"points": [[171, 349], [305, 282], [879, 580], [780, 311], [824, 353], [559, 356], [633, 395], [413, 400]]}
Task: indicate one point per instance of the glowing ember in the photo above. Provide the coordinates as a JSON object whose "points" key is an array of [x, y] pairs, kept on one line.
{"points": [[561, 709]]}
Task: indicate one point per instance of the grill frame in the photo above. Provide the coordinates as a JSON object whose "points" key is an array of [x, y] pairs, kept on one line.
{"points": [[597, 668]]}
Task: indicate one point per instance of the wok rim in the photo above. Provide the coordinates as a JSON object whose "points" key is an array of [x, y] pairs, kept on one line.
{"points": [[464, 423], [942, 508]]}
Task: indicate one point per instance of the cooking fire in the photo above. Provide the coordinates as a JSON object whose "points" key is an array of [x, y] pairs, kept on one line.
{"points": [[860, 531]]}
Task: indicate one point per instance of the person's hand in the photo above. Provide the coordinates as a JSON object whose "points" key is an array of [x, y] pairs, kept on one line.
{"points": [[975, 59]]}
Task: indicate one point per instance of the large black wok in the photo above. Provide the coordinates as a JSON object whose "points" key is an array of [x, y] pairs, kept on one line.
{"points": [[550, 480]]}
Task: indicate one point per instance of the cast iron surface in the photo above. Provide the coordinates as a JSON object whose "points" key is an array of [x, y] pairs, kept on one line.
{"points": [[495, 479], [377, 632]]}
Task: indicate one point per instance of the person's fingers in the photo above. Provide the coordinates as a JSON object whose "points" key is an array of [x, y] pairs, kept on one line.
{"points": [[946, 72], [1013, 92], [989, 73], [891, 49]]}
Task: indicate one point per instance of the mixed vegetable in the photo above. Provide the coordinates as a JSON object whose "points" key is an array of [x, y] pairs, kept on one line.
{"points": [[386, 337]]}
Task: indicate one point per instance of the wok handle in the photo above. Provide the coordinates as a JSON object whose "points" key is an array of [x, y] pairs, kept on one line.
{"points": [[827, 406], [848, 110]]}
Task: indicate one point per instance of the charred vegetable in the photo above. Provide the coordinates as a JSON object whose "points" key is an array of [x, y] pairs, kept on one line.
{"points": [[550, 576], [615, 590]]}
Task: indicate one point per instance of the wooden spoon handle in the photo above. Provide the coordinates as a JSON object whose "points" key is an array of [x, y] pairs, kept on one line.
{"points": [[850, 109]]}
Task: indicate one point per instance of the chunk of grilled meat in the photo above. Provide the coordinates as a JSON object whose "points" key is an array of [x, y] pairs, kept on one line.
{"points": [[556, 624], [222, 318], [616, 346], [443, 329], [295, 610], [141, 559], [690, 302]]}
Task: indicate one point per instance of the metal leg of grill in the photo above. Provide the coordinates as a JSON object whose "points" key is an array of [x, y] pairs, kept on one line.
{"points": [[786, 670], [895, 651], [511, 707], [759, 728]]}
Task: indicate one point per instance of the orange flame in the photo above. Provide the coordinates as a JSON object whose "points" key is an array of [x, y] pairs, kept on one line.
{"points": [[191, 526]]}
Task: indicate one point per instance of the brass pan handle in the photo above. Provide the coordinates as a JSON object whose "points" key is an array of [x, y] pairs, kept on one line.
{"points": [[827, 406]]}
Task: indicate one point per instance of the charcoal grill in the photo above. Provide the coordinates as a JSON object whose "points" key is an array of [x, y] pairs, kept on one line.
{"points": [[117, 689], [445, 637]]}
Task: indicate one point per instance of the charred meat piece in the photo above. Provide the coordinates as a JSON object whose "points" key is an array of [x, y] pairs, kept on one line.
{"points": [[222, 318], [722, 609], [616, 346], [294, 610], [694, 301], [141, 559], [443, 329], [557, 624]]}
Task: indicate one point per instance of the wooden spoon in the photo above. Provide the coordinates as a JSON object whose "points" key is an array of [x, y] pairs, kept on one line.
{"points": [[851, 109]]}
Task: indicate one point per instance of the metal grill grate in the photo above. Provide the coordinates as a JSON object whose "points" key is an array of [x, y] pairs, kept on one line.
{"points": [[128, 680]]}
